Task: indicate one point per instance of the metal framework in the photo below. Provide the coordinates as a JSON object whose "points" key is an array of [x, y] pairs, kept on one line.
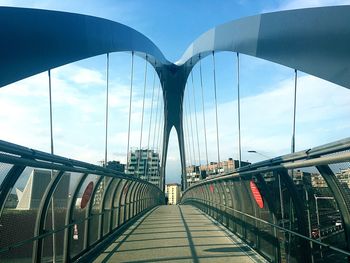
{"points": [[315, 41], [229, 200], [20, 158]]}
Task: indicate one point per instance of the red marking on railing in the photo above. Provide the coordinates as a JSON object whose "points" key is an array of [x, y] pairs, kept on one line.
{"points": [[211, 187], [86, 195], [256, 194]]}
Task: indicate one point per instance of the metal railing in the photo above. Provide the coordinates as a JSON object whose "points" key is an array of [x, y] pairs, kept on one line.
{"points": [[270, 204], [66, 207]]}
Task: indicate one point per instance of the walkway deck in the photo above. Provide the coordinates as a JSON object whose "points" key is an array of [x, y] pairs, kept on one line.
{"points": [[176, 234]]}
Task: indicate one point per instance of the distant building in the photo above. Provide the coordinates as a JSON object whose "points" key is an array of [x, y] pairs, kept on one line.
{"points": [[173, 193], [317, 181], [145, 164], [116, 165], [344, 176], [195, 173], [300, 177], [35, 188]]}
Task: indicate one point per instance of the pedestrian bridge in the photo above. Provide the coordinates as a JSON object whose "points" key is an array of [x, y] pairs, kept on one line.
{"points": [[177, 234], [289, 208]]}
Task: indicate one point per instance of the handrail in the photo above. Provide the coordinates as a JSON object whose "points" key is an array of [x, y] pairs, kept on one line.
{"points": [[309, 157], [319, 158], [275, 226], [21, 157]]}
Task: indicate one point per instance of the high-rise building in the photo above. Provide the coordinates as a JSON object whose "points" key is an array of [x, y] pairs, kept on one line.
{"points": [[173, 193], [145, 165]]}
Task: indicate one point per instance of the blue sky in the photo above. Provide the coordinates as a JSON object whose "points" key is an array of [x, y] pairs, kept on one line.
{"points": [[79, 89]]}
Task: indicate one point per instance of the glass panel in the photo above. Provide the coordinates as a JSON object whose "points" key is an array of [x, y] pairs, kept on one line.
{"points": [[116, 205], [79, 216], [57, 214], [123, 203], [108, 206], [94, 227]]}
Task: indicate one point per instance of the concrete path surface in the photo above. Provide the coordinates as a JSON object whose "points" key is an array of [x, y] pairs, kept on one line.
{"points": [[176, 234]]}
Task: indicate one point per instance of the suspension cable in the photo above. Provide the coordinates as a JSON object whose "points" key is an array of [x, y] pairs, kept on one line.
{"points": [[143, 110], [52, 198], [150, 125], [191, 126], [205, 128], [161, 130], [131, 84], [50, 101], [150, 119], [156, 130], [187, 135], [195, 116], [216, 115], [294, 108], [156, 120], [239, 113], [107, 90], [188, 143], [158, 126]]}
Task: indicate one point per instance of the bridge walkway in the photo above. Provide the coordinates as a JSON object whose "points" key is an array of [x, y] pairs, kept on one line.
{"points": [[177, 234]]}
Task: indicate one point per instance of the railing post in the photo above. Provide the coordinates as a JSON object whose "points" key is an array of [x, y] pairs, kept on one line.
{"points": [[341, 197], [88, 214], [120, 202], [102, 208], [132, 200], [127, 200], [69, 220], [41, 217], [299, 210], [113, 208]]}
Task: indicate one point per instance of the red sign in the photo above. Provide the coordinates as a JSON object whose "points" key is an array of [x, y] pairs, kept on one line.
{"points": [[86, 195], [256, 194], [211, 187]]}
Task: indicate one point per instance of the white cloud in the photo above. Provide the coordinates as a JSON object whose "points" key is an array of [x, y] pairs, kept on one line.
{"points": [[297, 4], [79, 109], [323, 115]]}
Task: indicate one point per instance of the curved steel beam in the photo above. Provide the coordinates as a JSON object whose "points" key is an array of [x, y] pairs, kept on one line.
{"points": [[33, 41], [312, 40]]}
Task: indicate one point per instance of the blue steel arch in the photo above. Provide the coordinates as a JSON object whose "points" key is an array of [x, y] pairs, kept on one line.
{"points": [[314, 41]]}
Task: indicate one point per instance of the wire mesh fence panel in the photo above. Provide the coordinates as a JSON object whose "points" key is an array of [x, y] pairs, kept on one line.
{"points": [[4, 169], [19, 216]]}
